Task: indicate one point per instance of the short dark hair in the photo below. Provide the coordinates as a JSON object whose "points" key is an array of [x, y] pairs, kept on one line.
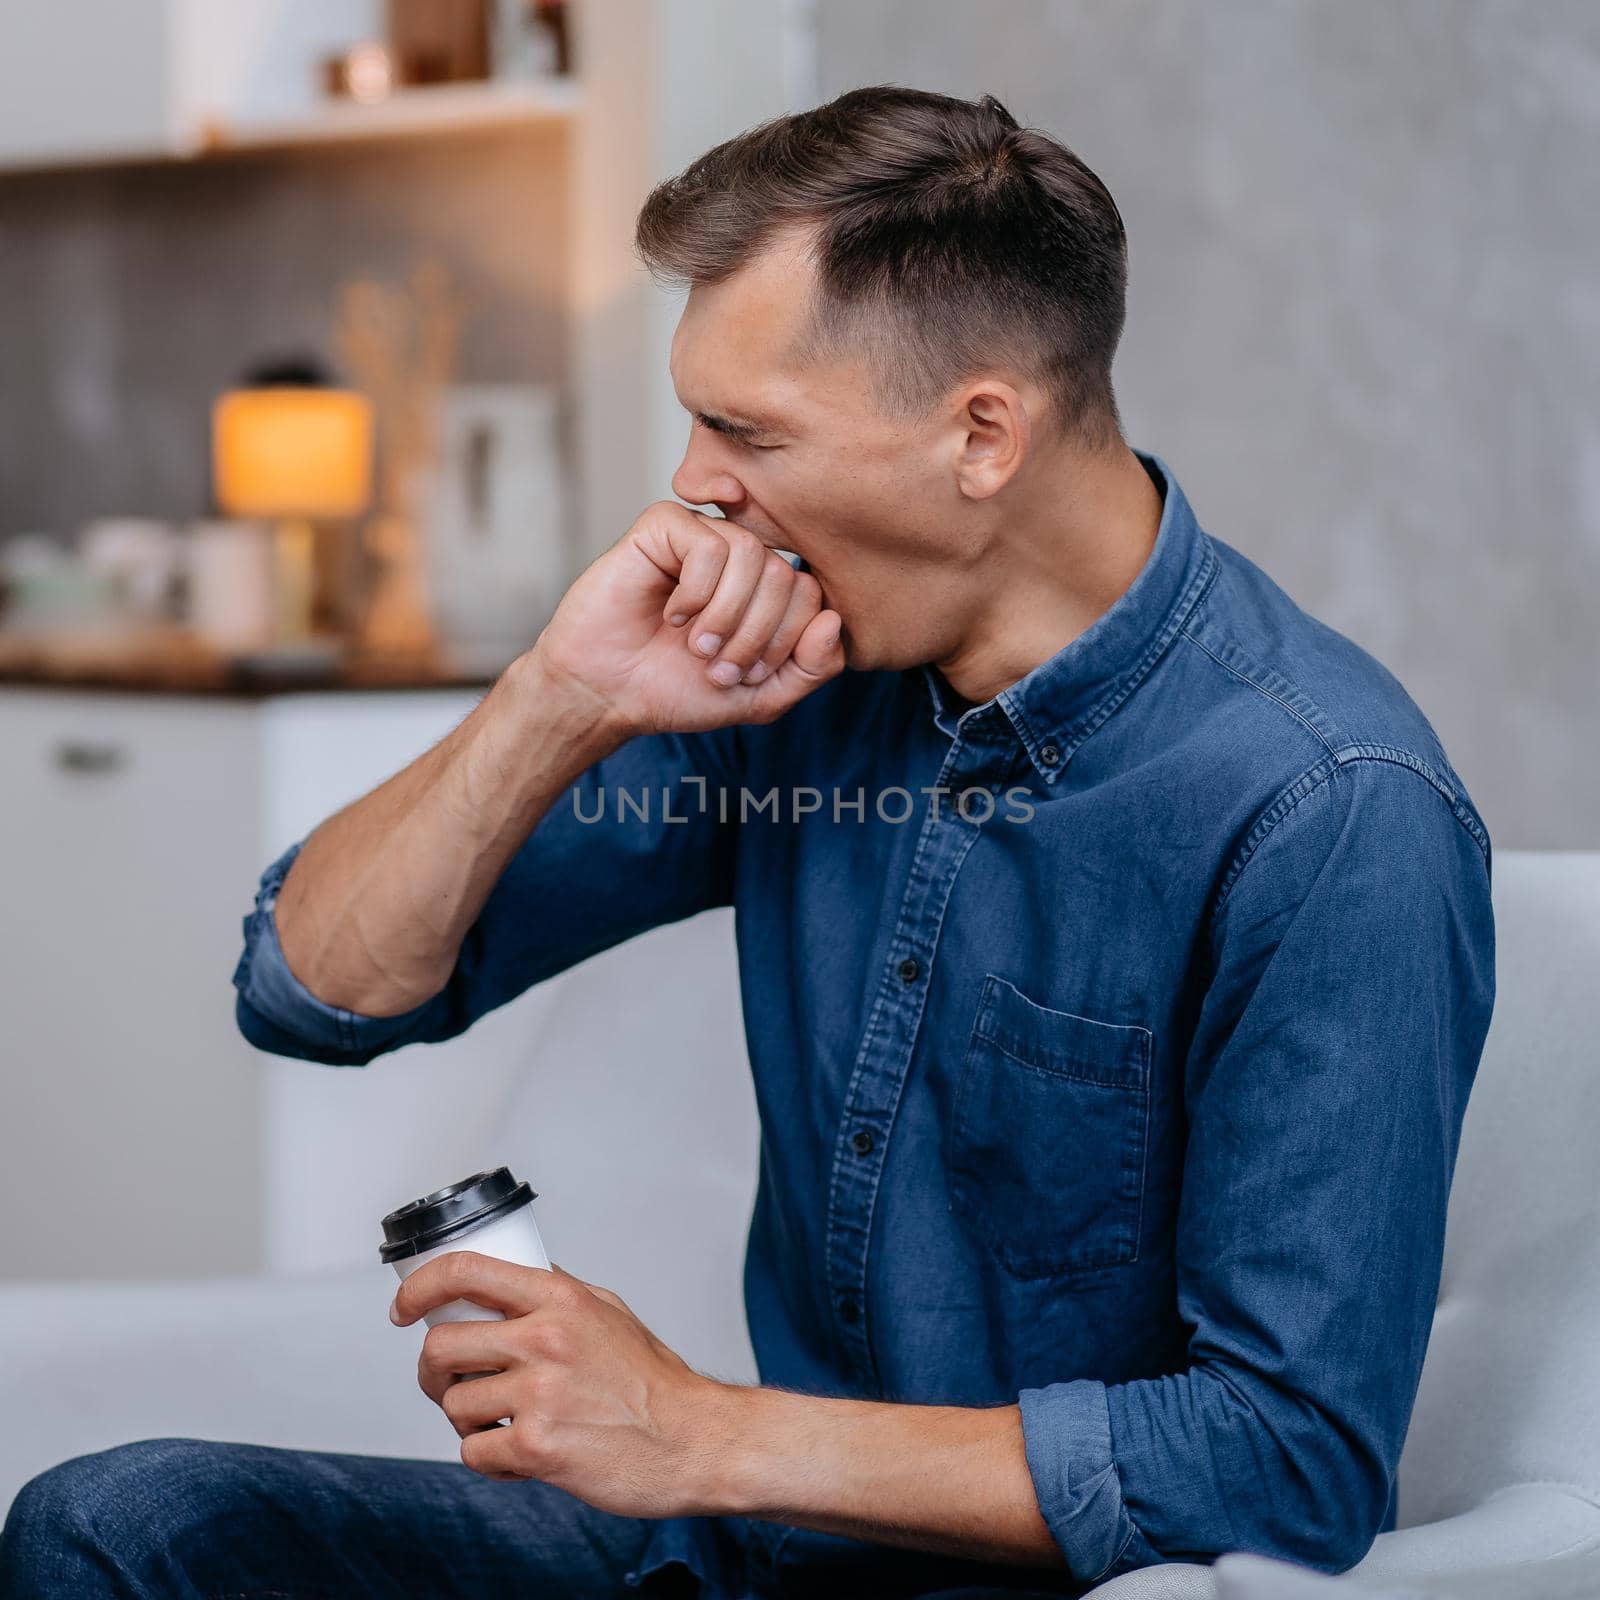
{"points": [[944, 235]]}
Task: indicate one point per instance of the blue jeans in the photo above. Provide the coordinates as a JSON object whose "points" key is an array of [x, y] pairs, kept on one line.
{"points": [[192, 1519]]}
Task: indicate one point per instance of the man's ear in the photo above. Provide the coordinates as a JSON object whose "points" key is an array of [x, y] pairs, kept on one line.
{"points": [[994, 432]]}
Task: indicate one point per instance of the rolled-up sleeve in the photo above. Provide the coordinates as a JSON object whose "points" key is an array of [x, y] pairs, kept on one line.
{"points": [[277, 1012], [1351, 985], [637, 841]]}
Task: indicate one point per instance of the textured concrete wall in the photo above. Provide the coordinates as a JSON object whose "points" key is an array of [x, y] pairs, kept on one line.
{"points": [[1364, 318]]}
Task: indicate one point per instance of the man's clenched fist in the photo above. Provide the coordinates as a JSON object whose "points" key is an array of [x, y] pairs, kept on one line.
{"points": [[690, 622]]}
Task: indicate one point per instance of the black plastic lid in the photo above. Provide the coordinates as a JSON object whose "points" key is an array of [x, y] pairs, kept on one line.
{"points": [[445, 1214]]}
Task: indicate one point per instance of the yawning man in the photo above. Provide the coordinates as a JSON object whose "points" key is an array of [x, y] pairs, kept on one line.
{"points": [[1115, 943]]}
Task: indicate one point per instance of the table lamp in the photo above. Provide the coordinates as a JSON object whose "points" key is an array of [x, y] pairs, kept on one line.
{"points": [[292, 453]]}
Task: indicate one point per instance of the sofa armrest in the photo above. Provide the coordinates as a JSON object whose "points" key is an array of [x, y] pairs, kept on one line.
{"points": [[1538, 1541], [1534, 1541]]}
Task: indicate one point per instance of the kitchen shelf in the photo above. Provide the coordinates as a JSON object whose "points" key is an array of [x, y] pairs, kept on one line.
{"points": [[441, 112], [408, 113]]}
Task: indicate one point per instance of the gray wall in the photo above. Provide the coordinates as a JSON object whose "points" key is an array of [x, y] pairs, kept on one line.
{"points": [[1363, 318]]}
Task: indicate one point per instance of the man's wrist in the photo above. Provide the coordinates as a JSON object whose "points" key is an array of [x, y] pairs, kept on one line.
{"points": [[764, 1452], [566, 712], [732, 1421]]}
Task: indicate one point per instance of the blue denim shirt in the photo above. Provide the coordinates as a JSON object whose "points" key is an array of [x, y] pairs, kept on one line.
{"points": [[1120, 1076]]}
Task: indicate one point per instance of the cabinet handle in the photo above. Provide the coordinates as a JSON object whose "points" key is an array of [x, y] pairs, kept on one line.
{"points": [[81, 755]]}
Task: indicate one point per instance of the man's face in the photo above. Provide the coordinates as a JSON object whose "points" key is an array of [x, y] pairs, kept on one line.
{"points": [[800, 453]]}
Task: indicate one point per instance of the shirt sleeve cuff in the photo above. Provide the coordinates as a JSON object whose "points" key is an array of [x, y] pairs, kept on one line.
{"points": [[1066, 1434], [278, 1013]]}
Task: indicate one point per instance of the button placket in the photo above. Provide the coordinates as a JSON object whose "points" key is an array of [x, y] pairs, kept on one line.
{"points": [[888, 1043]]}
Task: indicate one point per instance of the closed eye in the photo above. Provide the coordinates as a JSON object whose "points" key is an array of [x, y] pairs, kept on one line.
{"points": [[738, 433]]}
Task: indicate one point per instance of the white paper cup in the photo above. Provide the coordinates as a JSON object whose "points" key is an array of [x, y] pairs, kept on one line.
{"points": [[489, 1212]]}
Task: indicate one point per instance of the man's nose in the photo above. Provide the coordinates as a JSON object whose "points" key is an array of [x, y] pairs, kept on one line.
{"points": [[702, 480]]}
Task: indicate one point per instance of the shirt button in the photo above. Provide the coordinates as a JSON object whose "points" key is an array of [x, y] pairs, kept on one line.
{"points": [[849, 1310], [861, 1140], [909, 970], [1050, 754]]}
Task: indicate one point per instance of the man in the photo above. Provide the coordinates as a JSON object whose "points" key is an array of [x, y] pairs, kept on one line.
{"points": [[1115, 940]]}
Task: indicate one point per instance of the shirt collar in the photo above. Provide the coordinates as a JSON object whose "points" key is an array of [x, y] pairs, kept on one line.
{"points": [[1057, 705]]}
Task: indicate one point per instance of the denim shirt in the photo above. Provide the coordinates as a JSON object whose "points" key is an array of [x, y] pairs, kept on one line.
{"points": [[1111, 1041]]}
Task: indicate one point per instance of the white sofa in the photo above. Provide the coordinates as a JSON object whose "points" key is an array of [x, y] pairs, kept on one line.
{"points": [[646, 1174]]}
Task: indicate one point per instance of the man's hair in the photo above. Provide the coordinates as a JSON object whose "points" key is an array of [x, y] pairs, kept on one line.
{"points": [[946, 239]]}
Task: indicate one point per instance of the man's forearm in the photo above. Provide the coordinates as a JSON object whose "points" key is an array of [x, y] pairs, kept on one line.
{"points": [[949, 1479], [374, 908]]}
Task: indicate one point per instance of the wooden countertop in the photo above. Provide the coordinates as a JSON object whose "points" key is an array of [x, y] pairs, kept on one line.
{"points": [[176, 663]]}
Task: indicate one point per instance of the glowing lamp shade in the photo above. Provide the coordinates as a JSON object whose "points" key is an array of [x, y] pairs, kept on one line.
{"points": [[294, 455], [292, 452]]}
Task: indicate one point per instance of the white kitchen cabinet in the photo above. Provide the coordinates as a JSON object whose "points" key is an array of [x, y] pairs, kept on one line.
{"points": [[87, 82], [136, 1126], [83, 78], [93, 80], [141, 1137]]}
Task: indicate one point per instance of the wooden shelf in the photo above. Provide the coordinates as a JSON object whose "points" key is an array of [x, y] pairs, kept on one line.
{"points": [[409, 113], [450, 109]]}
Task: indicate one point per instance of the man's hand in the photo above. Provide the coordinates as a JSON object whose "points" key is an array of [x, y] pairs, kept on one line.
{"points": [[597, 1404], [688, 623]]}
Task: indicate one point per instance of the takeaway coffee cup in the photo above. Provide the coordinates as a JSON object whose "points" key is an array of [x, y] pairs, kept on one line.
{"points": [[490, 1212]]}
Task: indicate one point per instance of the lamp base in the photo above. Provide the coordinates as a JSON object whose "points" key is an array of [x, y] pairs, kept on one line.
{"points": [[294, 576]]}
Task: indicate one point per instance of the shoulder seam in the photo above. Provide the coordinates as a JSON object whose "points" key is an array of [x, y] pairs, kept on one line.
{"points": [[1462, 812], [1313, 778]]}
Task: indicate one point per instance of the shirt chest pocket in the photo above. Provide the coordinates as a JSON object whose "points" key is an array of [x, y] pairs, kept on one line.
{"points": [[1045, 1152]]}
